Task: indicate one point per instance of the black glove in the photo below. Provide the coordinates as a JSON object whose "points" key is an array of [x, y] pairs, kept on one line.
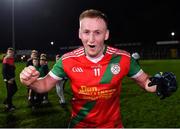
{"points": [[166, 84]]}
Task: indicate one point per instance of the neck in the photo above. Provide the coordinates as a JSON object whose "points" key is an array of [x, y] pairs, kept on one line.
{"points": [[97, 58], [100, 54]]}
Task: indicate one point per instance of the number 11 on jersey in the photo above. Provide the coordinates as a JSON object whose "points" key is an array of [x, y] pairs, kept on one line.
{"points": [[97, 72]]}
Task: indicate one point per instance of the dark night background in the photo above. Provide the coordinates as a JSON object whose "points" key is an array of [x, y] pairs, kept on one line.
{"points": [[38, 22]]}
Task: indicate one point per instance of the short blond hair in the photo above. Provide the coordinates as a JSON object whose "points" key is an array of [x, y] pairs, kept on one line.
{"points": [[92, 13]]}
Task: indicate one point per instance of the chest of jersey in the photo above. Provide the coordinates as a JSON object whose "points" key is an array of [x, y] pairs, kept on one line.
{"points": [[96, 80]]}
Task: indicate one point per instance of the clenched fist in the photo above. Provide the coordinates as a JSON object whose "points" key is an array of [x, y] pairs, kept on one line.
{"points": [[29, 75]]}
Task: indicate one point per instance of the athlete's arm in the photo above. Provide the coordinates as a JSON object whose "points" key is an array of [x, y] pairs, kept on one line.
{"points": [[142, 79], [44, 84], [139, 76], [29, 77]]}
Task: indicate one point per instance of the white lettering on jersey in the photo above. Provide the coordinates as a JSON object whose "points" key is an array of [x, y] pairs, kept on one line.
{"points": [[96, 72], [77, 69]]}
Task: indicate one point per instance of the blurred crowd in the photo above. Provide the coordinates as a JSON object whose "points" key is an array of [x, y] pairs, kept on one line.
{"points": [[34, 99]]}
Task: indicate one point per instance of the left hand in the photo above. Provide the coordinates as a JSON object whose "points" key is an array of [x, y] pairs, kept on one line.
{"points": [[166, 84]]}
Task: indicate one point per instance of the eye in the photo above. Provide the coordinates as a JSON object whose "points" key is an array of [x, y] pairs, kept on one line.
{"points": [[86, 32], [97, 32]]}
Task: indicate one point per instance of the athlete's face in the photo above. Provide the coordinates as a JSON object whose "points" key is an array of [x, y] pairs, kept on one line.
{"points": [[93, 32]]}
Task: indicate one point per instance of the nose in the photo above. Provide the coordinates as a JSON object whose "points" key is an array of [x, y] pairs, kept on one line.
{"points": [[91, 38]]}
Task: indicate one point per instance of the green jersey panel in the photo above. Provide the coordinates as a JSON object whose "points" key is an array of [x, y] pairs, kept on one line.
{"points": [[58, 69], [134, 68]]}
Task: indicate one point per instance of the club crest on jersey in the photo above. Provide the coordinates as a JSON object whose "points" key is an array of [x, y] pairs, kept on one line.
{"points": [[115, 68]]}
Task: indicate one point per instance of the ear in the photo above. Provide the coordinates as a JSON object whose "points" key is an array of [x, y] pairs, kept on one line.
{"points": [[79, 34], [107, 35]]}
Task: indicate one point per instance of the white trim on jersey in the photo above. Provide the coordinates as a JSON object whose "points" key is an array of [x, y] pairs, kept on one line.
{"points": [[54, 76], [72, 56], [79, 51], [111, 51], [75, 53], [138, 74], [95, 60]]}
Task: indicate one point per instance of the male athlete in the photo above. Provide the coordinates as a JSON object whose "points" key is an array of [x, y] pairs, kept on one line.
{"points": [[95, 72]]}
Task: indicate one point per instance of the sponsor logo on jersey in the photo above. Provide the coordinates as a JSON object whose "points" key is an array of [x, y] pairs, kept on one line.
{"points": [[94, 93], [115, 69], [77, 70]]}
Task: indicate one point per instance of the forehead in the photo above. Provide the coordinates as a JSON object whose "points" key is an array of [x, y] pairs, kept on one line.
{"points": [[93, 23]]}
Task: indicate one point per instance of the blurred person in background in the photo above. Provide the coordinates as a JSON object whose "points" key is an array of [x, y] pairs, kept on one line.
{"points": [[60, 87], [8, 71], [36, 98], [33, 95], [34, 54], [44, 69]]}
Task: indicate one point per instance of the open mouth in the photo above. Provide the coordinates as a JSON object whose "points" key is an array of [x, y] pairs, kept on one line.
{"points": [[91, 46]]}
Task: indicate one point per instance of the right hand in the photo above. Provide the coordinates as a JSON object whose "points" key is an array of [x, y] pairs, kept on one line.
{"points": [[29, 75]]}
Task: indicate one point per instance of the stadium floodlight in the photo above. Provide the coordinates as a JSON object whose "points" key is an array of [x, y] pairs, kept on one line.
{"points": [[52, 43], [172, 33], [13, 30]]}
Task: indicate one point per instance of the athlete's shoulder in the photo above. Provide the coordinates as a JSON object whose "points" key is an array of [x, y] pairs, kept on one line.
{"points": [[73, 54], [112, 50]]}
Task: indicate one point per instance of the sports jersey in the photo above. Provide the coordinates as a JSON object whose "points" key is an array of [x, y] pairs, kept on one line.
{"points": [[96, 87]]}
